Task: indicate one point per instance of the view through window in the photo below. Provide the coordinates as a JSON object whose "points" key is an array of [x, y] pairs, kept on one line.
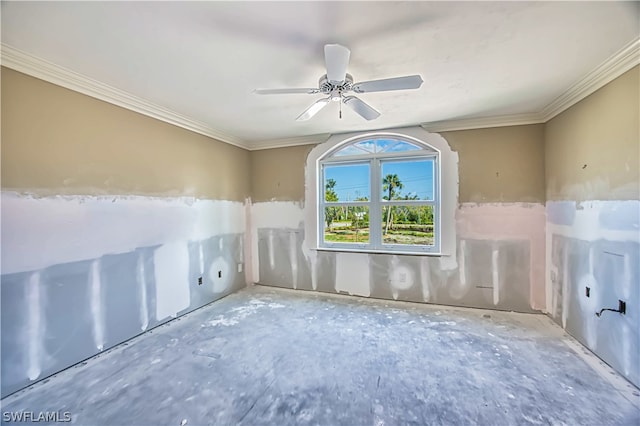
{"points": [[380, 194]]}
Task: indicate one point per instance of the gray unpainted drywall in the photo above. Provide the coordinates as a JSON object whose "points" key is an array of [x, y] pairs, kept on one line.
{"points": [[48, 317], [424, 278], [611, 270]]}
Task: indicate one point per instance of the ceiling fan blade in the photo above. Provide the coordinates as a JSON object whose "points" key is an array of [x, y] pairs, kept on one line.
{"points": [[336, 58], [313, 109], [359, 106], [397, 83], [284, 91]]}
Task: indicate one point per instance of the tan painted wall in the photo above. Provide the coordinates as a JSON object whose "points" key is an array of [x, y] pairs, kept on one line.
{"points": [[515, 153], [278, 174], [501, 164], [57, 141], [593, 148]]}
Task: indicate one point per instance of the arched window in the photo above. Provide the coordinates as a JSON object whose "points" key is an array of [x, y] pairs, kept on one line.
{"points": [[379, 193]]}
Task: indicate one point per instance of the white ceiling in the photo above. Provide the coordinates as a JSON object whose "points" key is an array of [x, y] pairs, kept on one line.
{"points": [[203, 59]]}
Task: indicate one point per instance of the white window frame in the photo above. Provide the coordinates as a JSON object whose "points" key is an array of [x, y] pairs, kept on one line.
{"points": [[376, 202]]}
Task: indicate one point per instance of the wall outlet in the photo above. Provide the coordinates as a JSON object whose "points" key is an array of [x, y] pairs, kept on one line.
{"points": [[219, 274], [199, 280], [587, 291], [622, 307]]}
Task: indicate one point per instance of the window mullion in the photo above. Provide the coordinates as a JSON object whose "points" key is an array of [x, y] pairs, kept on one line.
{"points": [[375, 213]]}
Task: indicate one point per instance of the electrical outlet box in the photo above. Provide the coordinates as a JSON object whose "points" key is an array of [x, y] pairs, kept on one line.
{"points": [[199, 280], [588, 291], [622, 307], [219, 274]]}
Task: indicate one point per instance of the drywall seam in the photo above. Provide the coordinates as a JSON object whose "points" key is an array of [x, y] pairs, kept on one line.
{"points": [[142, 293], [34, 327], [248, 251], [510, 221], [489, 222], [270, 215], [97, 310], [583, 221], [60, 229]]}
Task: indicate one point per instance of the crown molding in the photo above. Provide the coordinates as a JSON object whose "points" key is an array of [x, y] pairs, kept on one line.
{"points": [[616, 65], [52, 73], [482, 122], [285, 142]]}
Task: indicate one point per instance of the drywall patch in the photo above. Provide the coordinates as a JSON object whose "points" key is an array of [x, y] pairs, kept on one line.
{"points": [[171, 267], [510, 222], [593, 251], [504, 251], [401, 276], [352, 274], [272, 215], [57, 314], [220, 274]]}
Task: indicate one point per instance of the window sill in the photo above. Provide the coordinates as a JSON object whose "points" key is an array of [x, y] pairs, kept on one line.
{"points": [[397, 252]]}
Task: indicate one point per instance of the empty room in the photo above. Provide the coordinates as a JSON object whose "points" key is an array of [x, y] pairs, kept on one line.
{"points": [[325, 213]]}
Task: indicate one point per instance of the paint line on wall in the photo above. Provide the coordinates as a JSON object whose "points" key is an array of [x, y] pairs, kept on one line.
{"points": [[96, 305], [34, 326]]}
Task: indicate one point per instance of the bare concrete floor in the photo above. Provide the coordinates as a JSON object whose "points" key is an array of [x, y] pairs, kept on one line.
{"points": [[277, 357]]}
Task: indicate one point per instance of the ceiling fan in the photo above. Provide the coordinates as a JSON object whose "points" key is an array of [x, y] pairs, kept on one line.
{"points": [[336, 82]]}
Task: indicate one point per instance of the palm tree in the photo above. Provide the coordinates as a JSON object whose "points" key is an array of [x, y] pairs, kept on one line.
{"points": [[330, 195], [390, 183]]}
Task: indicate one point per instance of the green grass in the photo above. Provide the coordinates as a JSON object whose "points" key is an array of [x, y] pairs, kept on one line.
{"points": [[347, 236], [395, 236]]}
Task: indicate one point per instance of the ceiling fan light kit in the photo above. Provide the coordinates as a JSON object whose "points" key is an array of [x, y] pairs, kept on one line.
{"points": [[336, 82]]}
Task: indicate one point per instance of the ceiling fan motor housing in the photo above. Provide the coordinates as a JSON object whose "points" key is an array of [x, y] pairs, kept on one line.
{"points": [[329, 88]]}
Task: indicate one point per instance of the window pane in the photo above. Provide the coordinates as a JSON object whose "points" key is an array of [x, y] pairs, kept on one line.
{"points": [[346, 224], [407, 225], [384, 144], [402, 146], [408, 180], [347, 182], [367, 145], [349, 150]]}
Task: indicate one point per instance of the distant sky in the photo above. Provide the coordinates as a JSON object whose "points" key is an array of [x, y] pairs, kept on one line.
{"points": [[352, 181]]}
